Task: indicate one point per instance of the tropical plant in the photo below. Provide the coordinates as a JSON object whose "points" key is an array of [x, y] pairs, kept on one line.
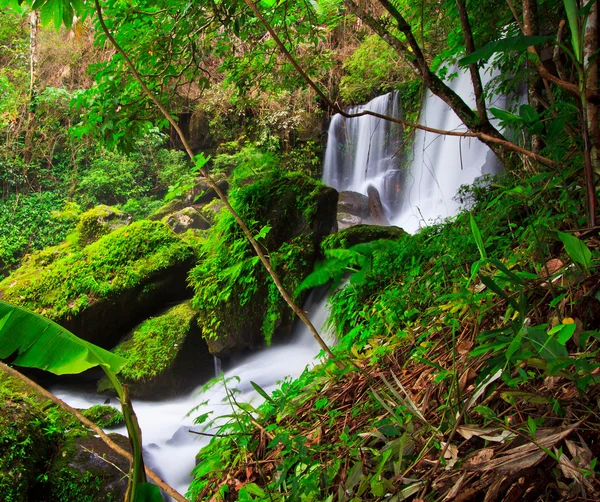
{"points": [[40, 343]]}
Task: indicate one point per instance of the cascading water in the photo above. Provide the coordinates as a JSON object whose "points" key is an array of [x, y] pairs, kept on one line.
{"points": [[363, 151], [169, 447]]}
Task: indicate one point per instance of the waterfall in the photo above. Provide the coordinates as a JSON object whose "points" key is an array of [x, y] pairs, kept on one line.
{"points": [[363, 151], [169, 447]]}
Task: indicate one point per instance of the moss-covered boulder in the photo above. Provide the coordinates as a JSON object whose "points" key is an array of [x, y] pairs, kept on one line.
{"points": [[238, 304], [86, 470], [166, 355], [99, 221], [359, 234], [198, 196], [25, 449], [106, 288]]}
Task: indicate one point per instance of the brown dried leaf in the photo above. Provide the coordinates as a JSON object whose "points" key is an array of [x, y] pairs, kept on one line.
{"points": [[455, 490], [466, 379], [494, 490], [480, 457], [552, 266], [525, 456]]}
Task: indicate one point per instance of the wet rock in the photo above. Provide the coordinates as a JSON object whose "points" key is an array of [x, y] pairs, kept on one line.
{"points": [[346, 220], [186, 219], [393, 182], [354, 203], [376, 207]]}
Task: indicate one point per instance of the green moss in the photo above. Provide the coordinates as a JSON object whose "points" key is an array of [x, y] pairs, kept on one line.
{"points": [[359, 234], [104, 416], [278, 207], [153, 345], [99, 221], [119, 261]]}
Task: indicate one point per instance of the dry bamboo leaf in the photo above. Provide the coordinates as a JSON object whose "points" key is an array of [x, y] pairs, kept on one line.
{"points": [[481, 457], [455, 490], [487, 433], [569, 470], [552, 266], [494, 489], [525, 456]]}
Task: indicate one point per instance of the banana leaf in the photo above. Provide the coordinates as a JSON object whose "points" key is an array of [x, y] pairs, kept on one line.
{"points": [[41, 343]]}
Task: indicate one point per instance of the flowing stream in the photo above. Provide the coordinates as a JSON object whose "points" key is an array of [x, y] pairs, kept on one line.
{"points": [[169, 447]]}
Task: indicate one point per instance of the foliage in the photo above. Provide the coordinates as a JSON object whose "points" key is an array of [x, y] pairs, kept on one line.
{"points": [[118, 261], [277, 206], [373, 69], [28, 223]]}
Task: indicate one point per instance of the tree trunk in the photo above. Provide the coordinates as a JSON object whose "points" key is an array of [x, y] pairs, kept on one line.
{"points": [[590, 46], [34, 21], [535, 83]]}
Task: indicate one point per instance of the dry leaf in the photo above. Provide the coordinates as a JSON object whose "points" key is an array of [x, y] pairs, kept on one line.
{"points": [[455, 490], [480, 457], [466, 379], [552, 266], [525, 456], [493, 491], [487, 433]]}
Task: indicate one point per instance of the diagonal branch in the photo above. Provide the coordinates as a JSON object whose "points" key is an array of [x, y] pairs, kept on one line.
{"points": [[487, 137], [91, 425], [253, 242]]}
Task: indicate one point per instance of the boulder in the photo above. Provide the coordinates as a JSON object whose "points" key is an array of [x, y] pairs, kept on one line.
{"points": [[86, 470], [105, 289], [376, 210], [361, 233], [186, 219], [354, 203], [211, 210], [99, 221], [346, 220], [198, 196], [166, 356], [291, 213]]}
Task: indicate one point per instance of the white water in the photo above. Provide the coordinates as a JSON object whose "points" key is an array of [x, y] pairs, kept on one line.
{"points": [[169, 447], [362, 151], [425, 192]]}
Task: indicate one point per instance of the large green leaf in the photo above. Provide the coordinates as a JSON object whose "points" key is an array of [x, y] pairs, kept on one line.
{"points": [[43, 344]]}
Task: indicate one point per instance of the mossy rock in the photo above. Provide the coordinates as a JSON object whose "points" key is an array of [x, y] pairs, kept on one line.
{"points": [[198, 196], [166, 355], [99, 221], [359, 234], [24, 451], [104, 416], [211, 210], [186, 219], [86, 470], [239, 306], [106, 288]]}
